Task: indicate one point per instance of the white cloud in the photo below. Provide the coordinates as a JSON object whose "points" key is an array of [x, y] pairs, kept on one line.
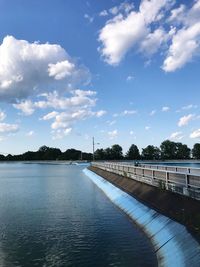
{"points": [[165, 109], [191, 106], [185, 120], [125, 113], [128, 112], [119, 35], [64, 120], [124, 32], [113, 134], [61, 133], [30, 133], [100, 113], [147, 128], [152, 29], [103, 13], [50, 115], [153, 112], [8, 128], [2, 115], [26, 107], [124, 7], [60, 70], [79, 99], [130, 78], [195, 134], [186, 41], [176, 136], [131, 132], [185, 45], [28, 68], [89, 18], [177, 14], [153, 41], [111, 122]]}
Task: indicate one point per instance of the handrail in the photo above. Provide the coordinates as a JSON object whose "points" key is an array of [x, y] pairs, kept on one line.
{"points": [[179, 182]]}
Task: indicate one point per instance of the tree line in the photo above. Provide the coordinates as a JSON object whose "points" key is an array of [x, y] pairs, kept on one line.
{"points": [[168, 150], [49, 153]]}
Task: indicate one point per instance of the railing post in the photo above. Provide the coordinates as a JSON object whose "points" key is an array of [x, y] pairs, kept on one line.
{"points": [[185, 189], [167, 181], [152, 177]]}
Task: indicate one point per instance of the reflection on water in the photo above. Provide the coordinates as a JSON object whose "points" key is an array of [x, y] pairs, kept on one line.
{"points": [[53, 215]]}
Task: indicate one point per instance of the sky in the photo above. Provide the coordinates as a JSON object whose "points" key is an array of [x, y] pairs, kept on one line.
{"points": [[125, 72]]}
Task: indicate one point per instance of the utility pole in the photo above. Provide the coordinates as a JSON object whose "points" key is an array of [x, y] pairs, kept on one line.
{"points": [[93, 150], [93, 147]]}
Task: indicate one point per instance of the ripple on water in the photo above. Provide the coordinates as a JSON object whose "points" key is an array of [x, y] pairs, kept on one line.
{"points": [[53, 215]]}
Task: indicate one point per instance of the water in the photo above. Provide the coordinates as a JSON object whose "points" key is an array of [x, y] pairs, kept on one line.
{"points": [[53, 215]]}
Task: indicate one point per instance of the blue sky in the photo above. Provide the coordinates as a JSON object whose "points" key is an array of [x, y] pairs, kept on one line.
{"points": [[122, 71]]}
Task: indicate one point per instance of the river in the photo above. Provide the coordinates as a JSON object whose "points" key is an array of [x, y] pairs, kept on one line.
{"points": [[53, 215]]}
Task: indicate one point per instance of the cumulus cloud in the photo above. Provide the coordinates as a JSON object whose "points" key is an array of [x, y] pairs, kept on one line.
{"points": [[28, 68], [176, 136], [195, 134], [61, 69], [147, 128], [64, 120], [124, 32], [186, 41], [151, 29], [78, 99], [185, 45], [153, 41], [8, 128], [185, 120], [61, 133]]}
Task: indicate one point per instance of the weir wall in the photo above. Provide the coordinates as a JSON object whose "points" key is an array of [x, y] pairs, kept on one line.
{"points": [[174, 246]]}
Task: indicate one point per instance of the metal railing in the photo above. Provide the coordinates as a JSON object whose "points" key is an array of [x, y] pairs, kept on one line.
{"points": [[195, 171], [184, 183]]}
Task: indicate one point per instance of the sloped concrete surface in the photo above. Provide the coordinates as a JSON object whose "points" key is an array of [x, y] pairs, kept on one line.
{"points": [[174, 246]]}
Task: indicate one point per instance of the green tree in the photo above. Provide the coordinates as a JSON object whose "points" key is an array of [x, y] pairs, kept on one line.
{"points": [[182, 151], [116, 152], [100, 154], [196, 151], [133, 153], [108, 153], [168, 149], [151, 153]]}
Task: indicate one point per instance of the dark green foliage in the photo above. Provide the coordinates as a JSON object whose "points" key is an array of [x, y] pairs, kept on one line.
{"points": [[49, 153], [196, 151], [173, 150], [133, 153], [116, 152], [151, 153], [110, 153], [168, 150]]}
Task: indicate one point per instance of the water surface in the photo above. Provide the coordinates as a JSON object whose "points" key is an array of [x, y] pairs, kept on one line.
{"points": [[53, 215]]}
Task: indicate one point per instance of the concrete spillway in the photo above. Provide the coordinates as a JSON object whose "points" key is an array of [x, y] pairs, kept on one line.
{"points": [[174, 246]]}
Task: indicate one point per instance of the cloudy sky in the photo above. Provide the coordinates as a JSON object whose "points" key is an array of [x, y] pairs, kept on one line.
{"points": [[122, 71]]}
